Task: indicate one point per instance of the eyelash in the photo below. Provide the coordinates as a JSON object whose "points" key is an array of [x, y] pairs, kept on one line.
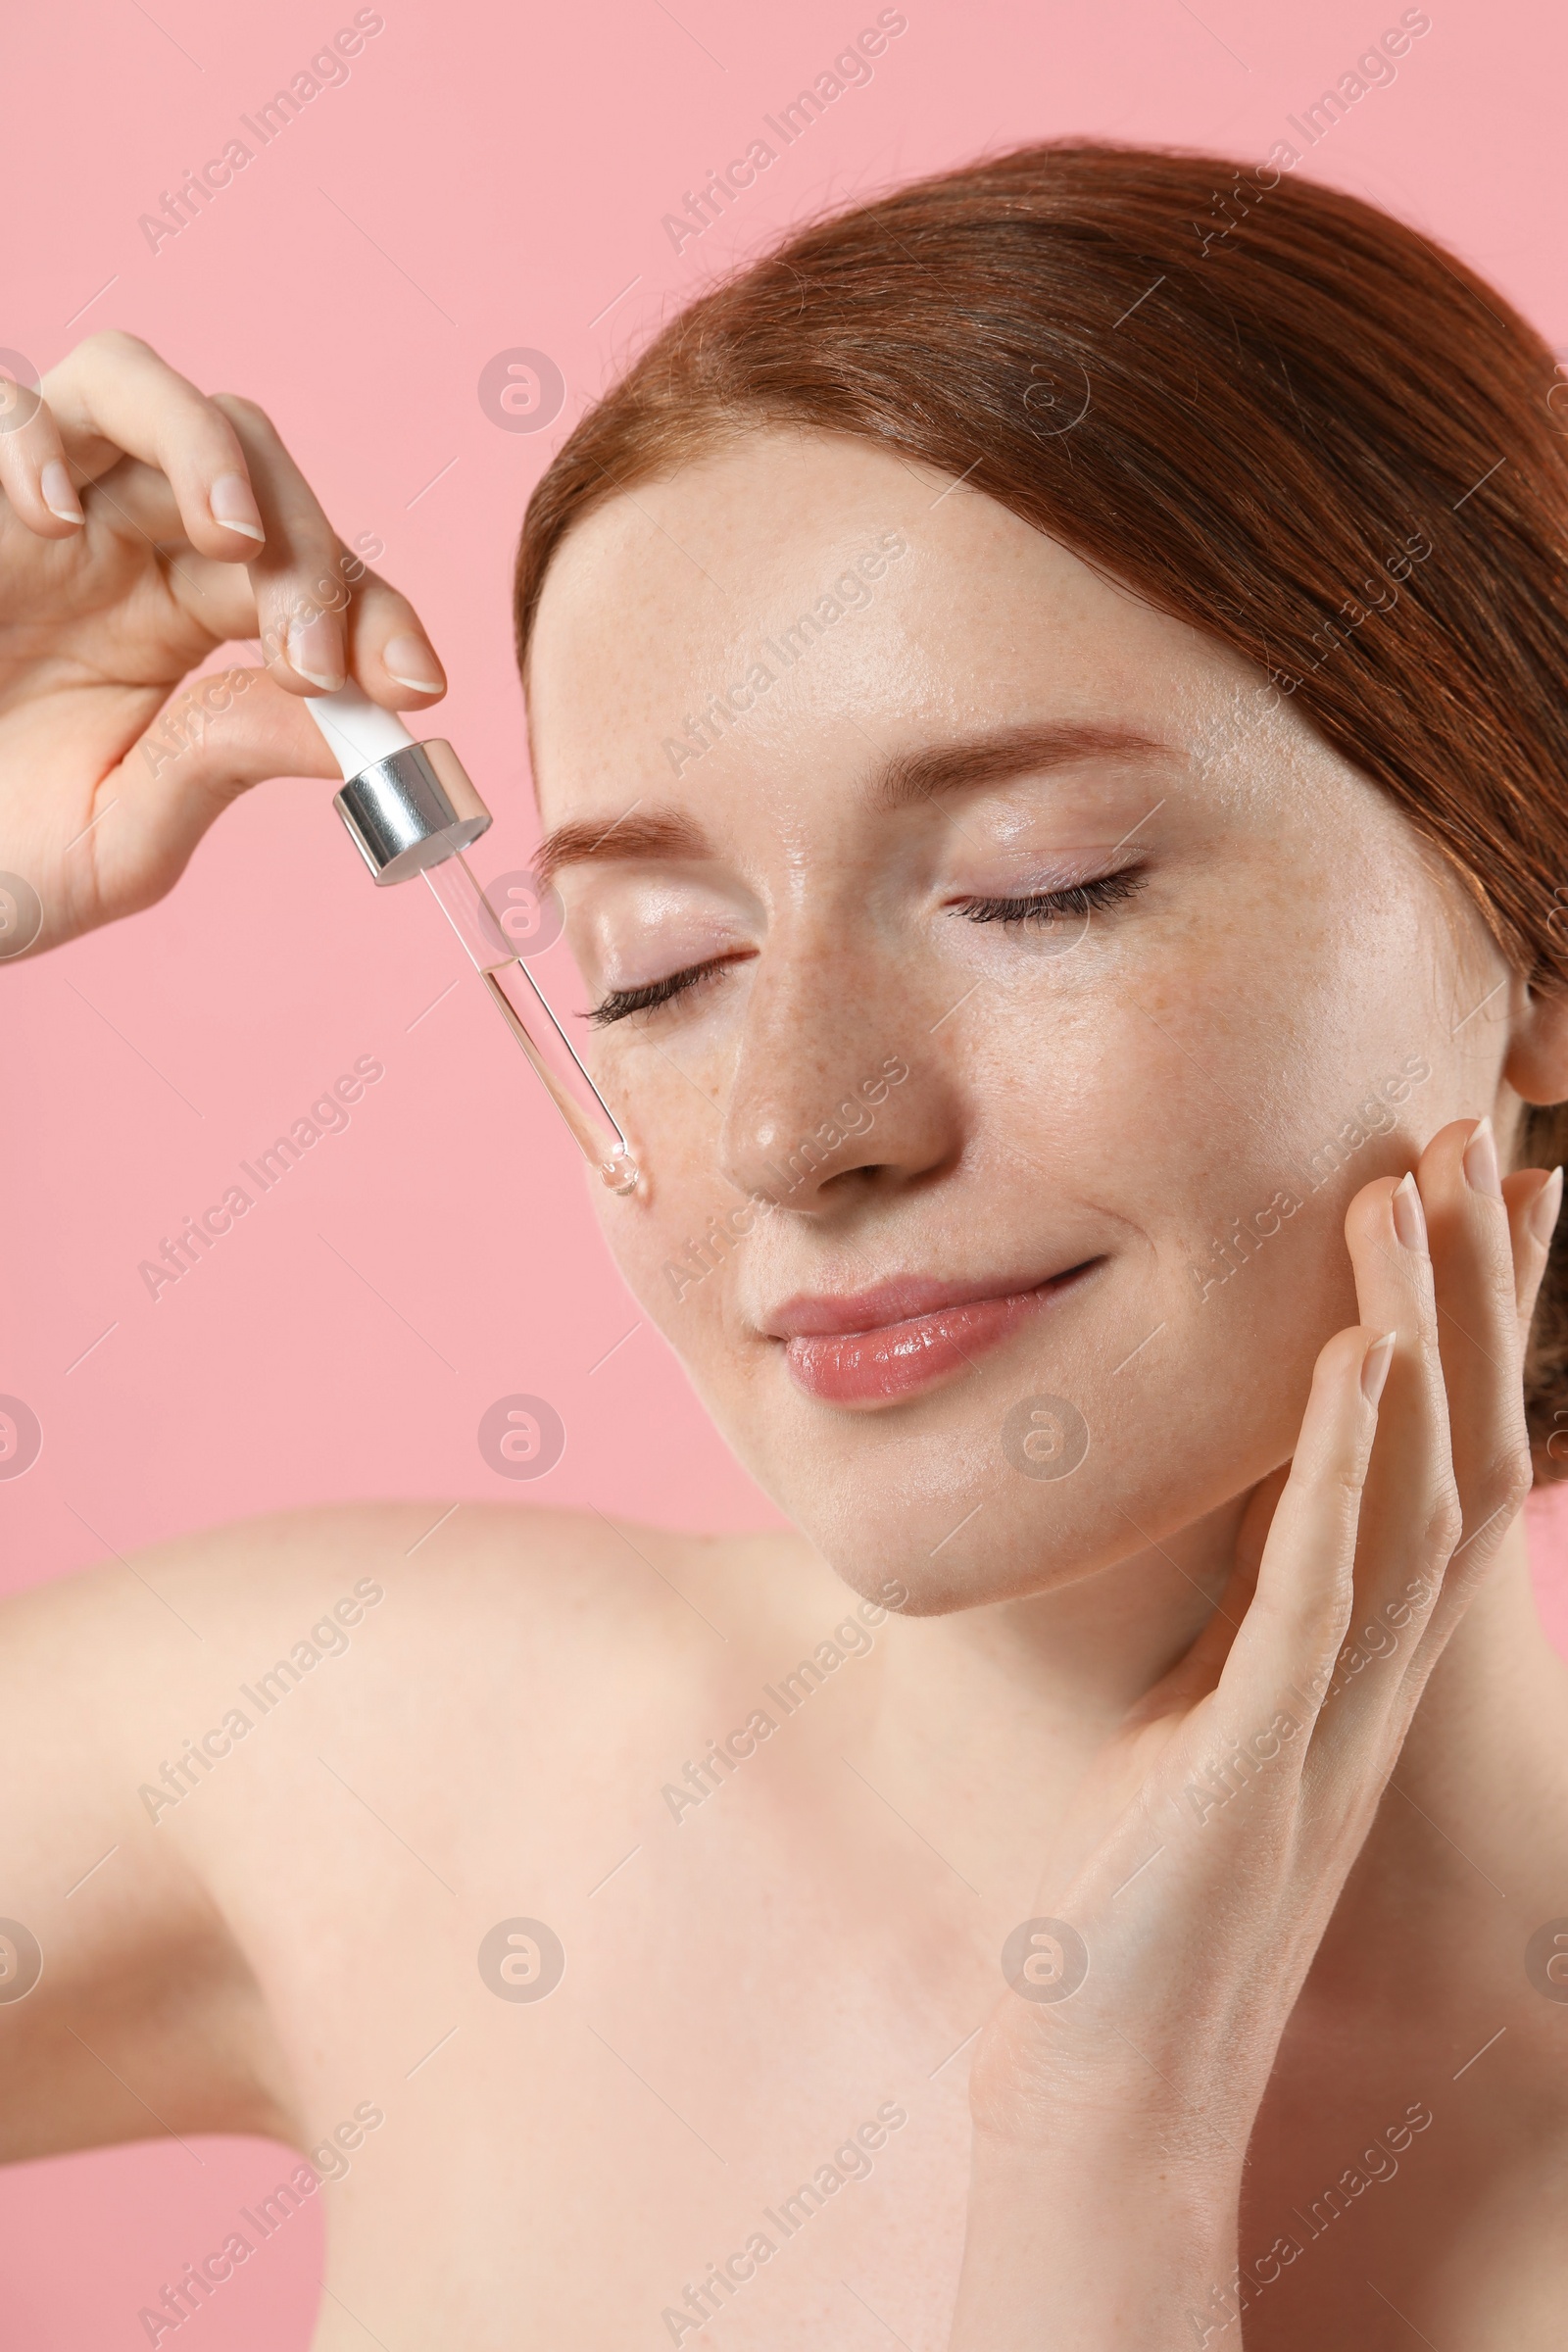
{"points": [[621, 1002], [1047, 905]]}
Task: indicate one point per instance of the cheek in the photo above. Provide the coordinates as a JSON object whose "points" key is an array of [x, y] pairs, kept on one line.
{"points": [[1195, 1109], [679, 1247]]}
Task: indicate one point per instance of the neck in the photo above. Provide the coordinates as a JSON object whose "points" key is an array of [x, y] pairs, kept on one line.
{"points": [[990, 1716]]}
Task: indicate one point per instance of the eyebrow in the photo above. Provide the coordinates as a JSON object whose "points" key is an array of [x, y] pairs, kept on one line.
{"points": [[665, 833], [1004, 752], [669, 834]]}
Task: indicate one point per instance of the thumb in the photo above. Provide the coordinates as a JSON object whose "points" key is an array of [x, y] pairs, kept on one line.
{"points": [[225, 732]]}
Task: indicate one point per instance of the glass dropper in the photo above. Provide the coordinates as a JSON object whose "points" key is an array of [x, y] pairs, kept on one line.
{"points": [[412, 809]]}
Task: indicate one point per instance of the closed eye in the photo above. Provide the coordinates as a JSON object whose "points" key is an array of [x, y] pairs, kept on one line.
{"points": [[622, 1002], [1076, 898]]}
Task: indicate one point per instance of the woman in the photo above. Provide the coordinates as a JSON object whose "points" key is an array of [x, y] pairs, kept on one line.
{"points": [[1051, 737]]}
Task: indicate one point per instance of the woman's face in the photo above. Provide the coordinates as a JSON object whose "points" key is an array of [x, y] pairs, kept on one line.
{"points": [[1033, 1000]]}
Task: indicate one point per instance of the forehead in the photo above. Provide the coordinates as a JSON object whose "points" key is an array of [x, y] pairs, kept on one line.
{"points": [[830, 596]]}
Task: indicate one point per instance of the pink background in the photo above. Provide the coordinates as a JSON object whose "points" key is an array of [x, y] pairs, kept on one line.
{"points": [[489, 177]]}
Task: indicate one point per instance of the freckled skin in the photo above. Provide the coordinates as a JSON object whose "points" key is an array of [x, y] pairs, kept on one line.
{"points": [[1286, 956], [755, 1967]]}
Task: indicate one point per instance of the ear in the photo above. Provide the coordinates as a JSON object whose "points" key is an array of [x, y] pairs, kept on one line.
{"points": [[1536, 1068]]}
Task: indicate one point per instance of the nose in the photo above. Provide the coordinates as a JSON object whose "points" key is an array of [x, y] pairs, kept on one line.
{"points": [[831, 1096]]}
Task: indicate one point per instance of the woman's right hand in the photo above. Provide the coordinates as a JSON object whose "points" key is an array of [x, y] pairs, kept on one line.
{"points": [[142, 525]]}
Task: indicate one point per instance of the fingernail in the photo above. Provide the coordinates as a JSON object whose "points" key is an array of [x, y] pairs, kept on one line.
{"points": [[1541, 1214], [411, 662], [1375, 1366], [1481, 1171], [231, 504], [59, 496], [1409, 1218], [314, 650]]}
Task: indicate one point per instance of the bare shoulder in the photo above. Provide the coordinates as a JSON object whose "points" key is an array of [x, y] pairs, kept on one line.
{"points": [[566, 1561], [207, 1728], [544, 1591]]}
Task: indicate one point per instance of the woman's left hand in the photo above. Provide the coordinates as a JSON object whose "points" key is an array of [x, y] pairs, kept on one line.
{"points": [[1114, 2090]]}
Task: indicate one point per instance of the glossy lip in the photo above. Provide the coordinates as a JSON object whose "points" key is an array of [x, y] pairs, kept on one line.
{"points": [[877, 1347]]}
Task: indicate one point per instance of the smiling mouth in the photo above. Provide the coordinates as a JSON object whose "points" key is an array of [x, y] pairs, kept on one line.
{"points": [[880, 1345]]}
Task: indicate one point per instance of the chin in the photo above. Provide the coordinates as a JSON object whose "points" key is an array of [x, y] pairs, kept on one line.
{"points": [[1007, 1551], [998, 1488], [1055, 1448]]}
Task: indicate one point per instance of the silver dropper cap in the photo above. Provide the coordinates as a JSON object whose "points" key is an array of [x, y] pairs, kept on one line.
{"points": [[411, 808]]}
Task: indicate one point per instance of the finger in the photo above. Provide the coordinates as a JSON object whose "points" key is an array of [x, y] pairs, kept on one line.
{"points": [[389, 653], [113, 396], [301, 592], [1282, 1658], [1478, 1335], [1476, 1287], [136, 499], [1533, 1197], [155, 448], [1411, 1516], [1452, 1466], [309, 591], [238, 493], [33, 472]]}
